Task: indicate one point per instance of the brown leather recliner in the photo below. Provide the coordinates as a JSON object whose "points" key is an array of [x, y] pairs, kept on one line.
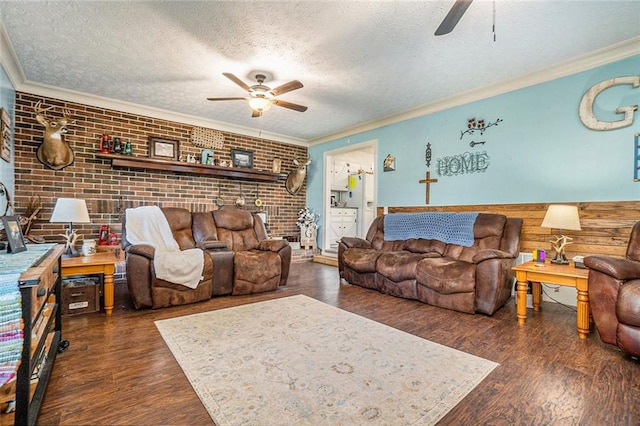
{"points": [[614, 296], [238, 258]]}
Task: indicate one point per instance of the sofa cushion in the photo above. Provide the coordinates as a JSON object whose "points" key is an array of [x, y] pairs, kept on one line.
{"points": [[456, 252], [235, 227], [488, 230], [255, 271], [446, 276], [628, 303], [399, 265], [361, 260], [180, 223], [421, 245]]}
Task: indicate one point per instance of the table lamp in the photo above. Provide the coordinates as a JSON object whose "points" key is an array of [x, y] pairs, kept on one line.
{"points": [[70, 210], [560, 216]]}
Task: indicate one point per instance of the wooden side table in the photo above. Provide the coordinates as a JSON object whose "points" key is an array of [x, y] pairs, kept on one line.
{"points": [[564, 275], [99, 263]]}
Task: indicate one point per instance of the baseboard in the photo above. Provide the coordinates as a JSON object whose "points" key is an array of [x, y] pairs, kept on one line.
{"points": [[326, 260]]}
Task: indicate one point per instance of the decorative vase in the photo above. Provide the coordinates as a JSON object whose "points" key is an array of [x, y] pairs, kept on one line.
{"points": [[308, 236]]}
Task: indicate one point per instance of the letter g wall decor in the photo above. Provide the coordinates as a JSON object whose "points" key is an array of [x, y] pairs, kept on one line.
{"points": [[586, 105]]}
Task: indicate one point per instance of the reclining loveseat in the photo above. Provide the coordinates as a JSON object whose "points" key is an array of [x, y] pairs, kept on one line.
{"points": [[238, 258], [474, 278]]}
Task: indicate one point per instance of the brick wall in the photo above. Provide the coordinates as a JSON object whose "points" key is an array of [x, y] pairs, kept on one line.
{"points": [[109, 191]]}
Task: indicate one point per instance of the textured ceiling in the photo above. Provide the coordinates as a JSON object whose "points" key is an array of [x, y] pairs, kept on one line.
{"points": [[359, 61]]}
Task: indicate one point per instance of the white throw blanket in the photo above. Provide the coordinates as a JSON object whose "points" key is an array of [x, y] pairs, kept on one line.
{"points": [[148, 225]]}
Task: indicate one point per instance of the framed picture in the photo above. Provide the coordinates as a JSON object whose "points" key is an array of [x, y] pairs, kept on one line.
{"points": [[14, 234], [5, 135], [242, 159], [277, 165], [166, 149], [389, 164]]}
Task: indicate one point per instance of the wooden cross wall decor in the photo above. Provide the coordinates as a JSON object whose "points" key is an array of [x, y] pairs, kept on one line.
{"points": [[428, 181]]}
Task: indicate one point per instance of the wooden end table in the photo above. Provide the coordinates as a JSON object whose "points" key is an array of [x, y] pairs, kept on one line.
{"points": [[564, 275], [100, 263]]}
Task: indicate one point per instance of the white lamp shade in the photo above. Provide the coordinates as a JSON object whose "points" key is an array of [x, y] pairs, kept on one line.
{"points": [[260, 104], [70, 210], [560, 216]]}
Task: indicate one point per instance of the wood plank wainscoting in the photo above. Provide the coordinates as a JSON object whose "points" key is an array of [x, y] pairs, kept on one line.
{"points": [[606, 226]]}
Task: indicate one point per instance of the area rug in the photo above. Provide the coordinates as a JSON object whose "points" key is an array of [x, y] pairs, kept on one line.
{"points": [[296, 360]]}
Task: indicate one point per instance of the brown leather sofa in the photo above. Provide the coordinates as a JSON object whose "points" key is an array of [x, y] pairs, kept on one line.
{"points": [[466, 279], [614, 296], [238, 258]]}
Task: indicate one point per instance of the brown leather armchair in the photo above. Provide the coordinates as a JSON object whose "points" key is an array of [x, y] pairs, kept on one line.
{"points": [[238, 258], [614, 296]]}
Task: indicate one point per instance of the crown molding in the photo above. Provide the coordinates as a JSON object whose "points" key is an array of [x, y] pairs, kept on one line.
{"points": [[21, 84], [8, 59], [622, 50], [590, 60], [122, 106]]}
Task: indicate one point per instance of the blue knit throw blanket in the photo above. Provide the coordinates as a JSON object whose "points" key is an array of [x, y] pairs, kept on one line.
{"points": [[451, 228]]}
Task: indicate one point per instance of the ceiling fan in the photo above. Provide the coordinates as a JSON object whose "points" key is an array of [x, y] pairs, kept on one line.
{"points": [[451, 20], [261, 97]]}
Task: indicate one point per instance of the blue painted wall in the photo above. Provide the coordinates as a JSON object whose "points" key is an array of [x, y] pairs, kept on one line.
{"points": [[540, 152], [8, 102]]}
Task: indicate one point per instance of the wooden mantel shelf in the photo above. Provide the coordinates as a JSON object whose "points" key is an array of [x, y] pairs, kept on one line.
{"points": [[118, 160]]}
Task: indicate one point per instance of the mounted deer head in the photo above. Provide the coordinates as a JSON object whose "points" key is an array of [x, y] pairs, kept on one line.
{"points": [[295, 179], [54, 152]]}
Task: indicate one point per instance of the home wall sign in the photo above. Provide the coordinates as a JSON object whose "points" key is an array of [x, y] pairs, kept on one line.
{"points": [[427, 156], [465, 163], [586, 105]]}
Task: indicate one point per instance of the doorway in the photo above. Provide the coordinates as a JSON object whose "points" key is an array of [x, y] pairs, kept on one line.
{"points": [[349, 195]]}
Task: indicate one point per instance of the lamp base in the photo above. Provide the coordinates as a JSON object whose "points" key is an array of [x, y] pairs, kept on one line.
{"points": [[560, 259], [70, 252]]}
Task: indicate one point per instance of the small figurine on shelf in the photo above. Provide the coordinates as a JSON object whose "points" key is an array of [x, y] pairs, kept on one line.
{"points": [[117, 146], [128, 148], [104, 144], [103, 238]]}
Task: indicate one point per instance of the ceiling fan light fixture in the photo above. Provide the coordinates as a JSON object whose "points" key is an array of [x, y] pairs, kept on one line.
{"points": [[259, 103]]}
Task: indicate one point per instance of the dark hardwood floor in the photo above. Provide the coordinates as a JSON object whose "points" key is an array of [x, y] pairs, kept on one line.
{"points": [[118, 370]]}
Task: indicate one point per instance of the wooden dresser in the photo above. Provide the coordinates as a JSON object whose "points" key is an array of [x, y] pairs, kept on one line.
{"points": [[39, 284]]}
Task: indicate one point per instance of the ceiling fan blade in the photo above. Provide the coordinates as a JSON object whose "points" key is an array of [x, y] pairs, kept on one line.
{"points": [[289, 105], [236, 80], [226, 99], [451, 20], [287, 87], [256, 114]]}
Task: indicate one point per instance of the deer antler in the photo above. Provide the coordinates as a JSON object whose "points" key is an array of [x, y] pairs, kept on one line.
{"points": [[67, 116], [41, 111]]}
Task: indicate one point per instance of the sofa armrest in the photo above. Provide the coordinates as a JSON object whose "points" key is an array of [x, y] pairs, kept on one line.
{"points": [[143, 250], [619, 268], [272, 245], [487, 254], [351, 242], [213, 245]]}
